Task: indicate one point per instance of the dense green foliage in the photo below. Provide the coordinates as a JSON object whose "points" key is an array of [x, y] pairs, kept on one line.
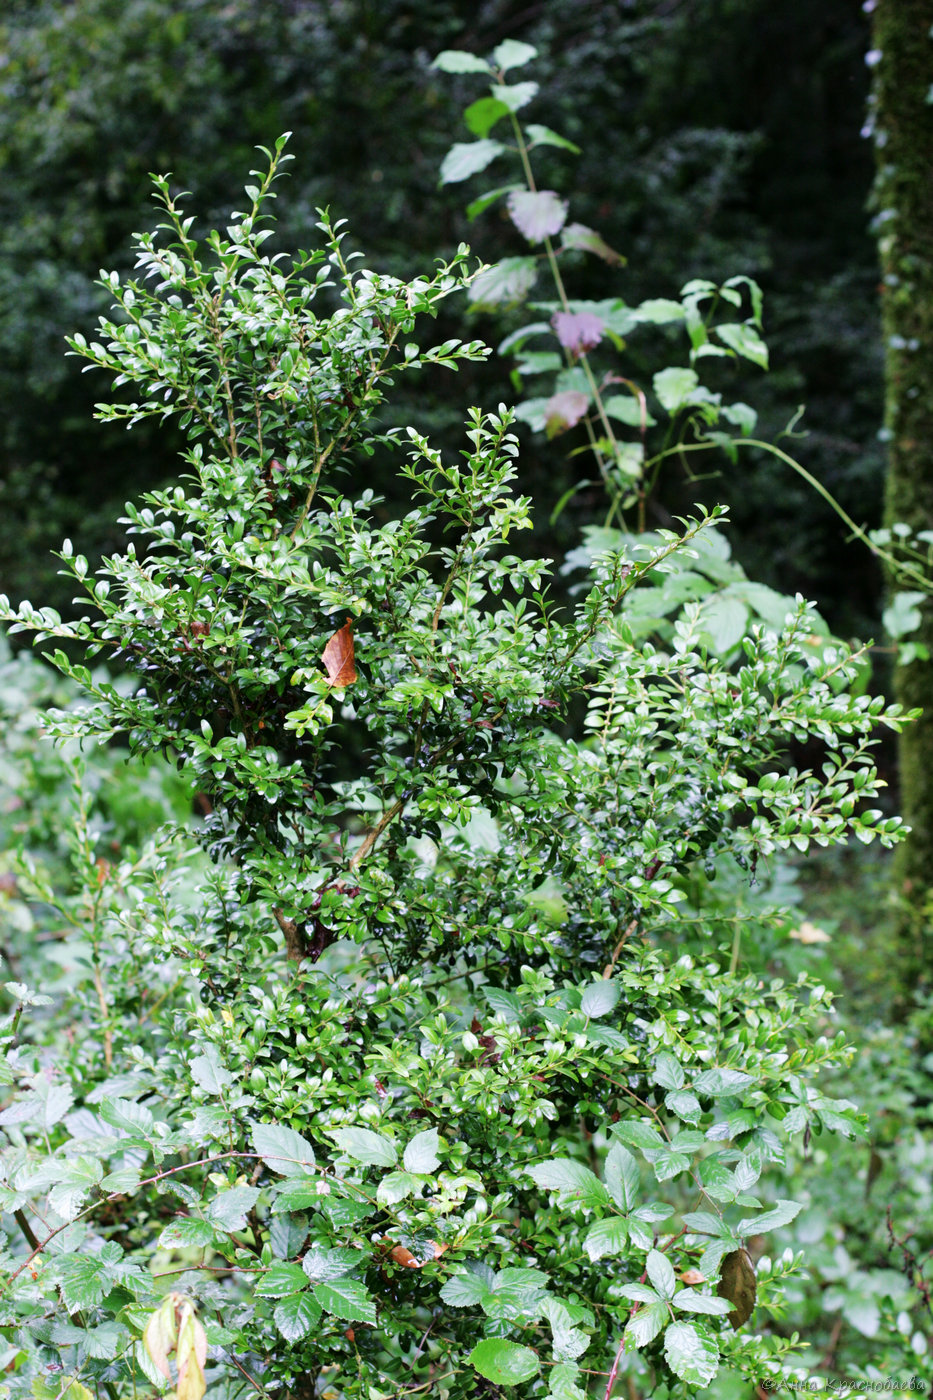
{"points": [[685, 173], [457, 990]]}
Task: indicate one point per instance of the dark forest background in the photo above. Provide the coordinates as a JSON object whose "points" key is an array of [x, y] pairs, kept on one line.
{"points": [[718, 136]]}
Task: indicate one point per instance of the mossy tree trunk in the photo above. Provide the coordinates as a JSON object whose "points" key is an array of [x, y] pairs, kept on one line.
{"points": [[903, 120]]}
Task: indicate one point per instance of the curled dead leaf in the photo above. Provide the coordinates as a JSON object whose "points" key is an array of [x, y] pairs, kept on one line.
{"points": [[338, 657], [809, 933], [737, 1282], [404, 1256]]}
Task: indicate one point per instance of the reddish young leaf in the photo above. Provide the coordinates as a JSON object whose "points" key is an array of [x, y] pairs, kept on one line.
{"points": [[338, 657], [538, 214], [588, 240]]}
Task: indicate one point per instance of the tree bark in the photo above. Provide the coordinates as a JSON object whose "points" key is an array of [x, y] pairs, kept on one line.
{"points": [[902, 116]]}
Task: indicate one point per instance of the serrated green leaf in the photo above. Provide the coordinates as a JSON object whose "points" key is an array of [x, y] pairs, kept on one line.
{"points": [[674, 386], [208, 1072], [82, 1280], [364, 1146], [514, 96], [645, 1325], [543, 136], [282, 1149], [716, 1082], [745, 341], [421, 1154], [573, 1183], [297, 1194], [346, 1298], [296, 1316], [465, 1291], [636, 1133], [395, 1186], [781, 1213], [287, 1233], [466, 158], [281, 1279], [623, 1178], [133, 1118], [668, 1071], [606, 1238], [703, 1222], [325, 1265], [691, 1353], [181, 1234], [506, 282], [504, 1363], [599, 998], [483, 114], [693, 1301], [228, 1210], [661, 1273], [684, 1105]]}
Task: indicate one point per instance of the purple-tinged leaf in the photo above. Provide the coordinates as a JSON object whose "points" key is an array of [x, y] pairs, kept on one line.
{"points": [[538, 215], [564, 411], [577, 331], [587, 240]]}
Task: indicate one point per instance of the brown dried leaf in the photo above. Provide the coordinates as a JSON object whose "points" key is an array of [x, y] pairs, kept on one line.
{"points": [[338, 657], [737, 1283], [404, 1256], [408, 1260], [692, 1277]]}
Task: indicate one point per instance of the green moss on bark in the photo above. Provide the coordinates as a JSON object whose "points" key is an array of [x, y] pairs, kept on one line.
{"points": [[903, 117]]}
